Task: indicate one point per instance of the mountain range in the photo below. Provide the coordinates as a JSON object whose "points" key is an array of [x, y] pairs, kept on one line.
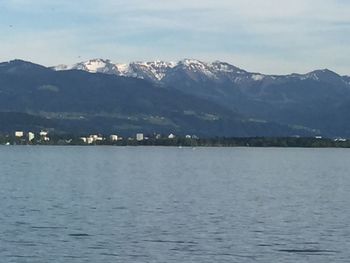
{"points": [[185, 97]]}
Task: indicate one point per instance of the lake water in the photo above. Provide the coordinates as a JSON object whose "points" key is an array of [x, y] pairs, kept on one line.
{"points": [[154, 204]]}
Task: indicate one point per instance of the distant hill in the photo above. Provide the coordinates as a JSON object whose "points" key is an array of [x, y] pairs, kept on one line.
{"points": [[317, 101], [76, 101], [185, 97]]}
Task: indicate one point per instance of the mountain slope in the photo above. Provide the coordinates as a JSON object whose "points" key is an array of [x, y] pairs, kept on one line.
{"points": [[77, 101], [318, 100]]}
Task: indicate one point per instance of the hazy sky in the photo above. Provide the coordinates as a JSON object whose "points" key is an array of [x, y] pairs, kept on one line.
{"points": [[269, 36]]}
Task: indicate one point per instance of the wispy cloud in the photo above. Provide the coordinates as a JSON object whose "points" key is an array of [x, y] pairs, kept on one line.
{"points": [[272, 36]]}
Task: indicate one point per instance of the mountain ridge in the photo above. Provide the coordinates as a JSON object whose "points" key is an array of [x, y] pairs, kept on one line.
{"points": [[76, 101], [132, 69], [211, 99]]}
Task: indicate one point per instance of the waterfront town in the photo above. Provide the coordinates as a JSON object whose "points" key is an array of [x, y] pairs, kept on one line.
{"points": [[45, 138]]}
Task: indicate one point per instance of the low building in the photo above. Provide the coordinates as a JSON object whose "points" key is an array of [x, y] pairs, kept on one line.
{"points": [[340, 140], [90, 140], [96, 138], [31, 136], [139, 137], [113, 138], [43, 133], [19, 134], [171, 136]]}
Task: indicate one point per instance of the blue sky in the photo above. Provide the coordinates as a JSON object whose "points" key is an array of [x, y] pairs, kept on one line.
{"points": [[269, 36]]}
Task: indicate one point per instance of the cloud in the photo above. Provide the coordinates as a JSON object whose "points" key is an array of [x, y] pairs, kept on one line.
{"points": [[272, 36]]}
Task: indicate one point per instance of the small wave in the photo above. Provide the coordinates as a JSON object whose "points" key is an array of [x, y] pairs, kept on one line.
{"points": [[120, 208], [48, 227], [97, 248], [79, 235], [171, 241], [265, 245], [308, 251], [21, 256], [109, 254]]}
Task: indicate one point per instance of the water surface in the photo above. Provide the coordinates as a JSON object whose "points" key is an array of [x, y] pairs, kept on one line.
{"points": [[158, 204]]}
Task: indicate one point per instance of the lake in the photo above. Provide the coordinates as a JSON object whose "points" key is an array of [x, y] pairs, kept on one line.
{"points": [[159, 204]]}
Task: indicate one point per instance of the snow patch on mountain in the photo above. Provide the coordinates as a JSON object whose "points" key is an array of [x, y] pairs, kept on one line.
{"points": [[224, 67], [97, 66], [313, 76], [257, 77], [157, 70], [94, 65], [61, 67], [123, 69], [197, 66]]}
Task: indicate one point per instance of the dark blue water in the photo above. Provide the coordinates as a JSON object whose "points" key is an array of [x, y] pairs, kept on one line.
{"points": [[110, 204]]}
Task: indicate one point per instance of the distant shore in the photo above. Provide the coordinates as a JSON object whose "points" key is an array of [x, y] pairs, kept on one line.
{"points": [[296, 142]]}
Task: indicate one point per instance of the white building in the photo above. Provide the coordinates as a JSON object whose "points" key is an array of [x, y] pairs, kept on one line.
{"points": [[44, 136], [96, 138], [171, 136], [340, 140], [31, 136], [19, 134], [99, 139], [113, 138], [92, 139], [43, 133], [139, 136]]}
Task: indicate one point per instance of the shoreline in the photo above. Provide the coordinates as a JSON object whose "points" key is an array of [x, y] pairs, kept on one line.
{"points": [[288, 142]]}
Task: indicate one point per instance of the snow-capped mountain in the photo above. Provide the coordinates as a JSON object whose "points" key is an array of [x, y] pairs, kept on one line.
{"points": [[216, 94], [193, 70], [157, 70], [92, 66], [154, 71]]}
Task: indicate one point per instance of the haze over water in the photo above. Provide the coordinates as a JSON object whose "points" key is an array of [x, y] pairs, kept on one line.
{"points": [[153, 204]]}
